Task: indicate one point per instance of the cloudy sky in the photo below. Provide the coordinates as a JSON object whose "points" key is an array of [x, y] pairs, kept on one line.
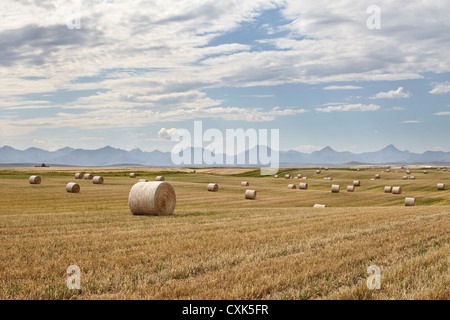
{"points": [[134, 70]]}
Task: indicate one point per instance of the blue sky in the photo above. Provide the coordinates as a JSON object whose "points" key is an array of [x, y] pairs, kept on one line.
{"points": [[136, 69]]}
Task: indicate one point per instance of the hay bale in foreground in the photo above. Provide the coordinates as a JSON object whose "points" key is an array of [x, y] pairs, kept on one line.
{"points": [[79, 175], [213, 187], [388, 189], [335, 188], [152, 198], [357, 183], [132, 175], [292, 186], [250, 194], [410, 202], [245, 184], [88, 176], [160, 178], [98, 180], [320, 206], [350, 188], [441, 186], [397, 190], [303, 186], [73, 187], [34, 180]]}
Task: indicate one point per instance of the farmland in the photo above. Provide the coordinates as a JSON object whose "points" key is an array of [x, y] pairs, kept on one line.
{"points": [[218, 245]]}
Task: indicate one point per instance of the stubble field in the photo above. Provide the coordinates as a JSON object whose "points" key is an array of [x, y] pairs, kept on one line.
{"points": [[221, 246]]}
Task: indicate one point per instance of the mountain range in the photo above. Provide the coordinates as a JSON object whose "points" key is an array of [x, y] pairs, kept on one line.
{"points": [[109, 156]]}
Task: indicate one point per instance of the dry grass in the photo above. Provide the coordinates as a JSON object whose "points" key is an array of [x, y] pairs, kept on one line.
{"points": [[220, 246]]}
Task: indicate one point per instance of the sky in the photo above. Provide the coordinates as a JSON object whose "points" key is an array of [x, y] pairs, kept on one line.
{"points": [[87, 74]]}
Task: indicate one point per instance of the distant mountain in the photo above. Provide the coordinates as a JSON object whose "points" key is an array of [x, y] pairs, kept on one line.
{"points": [[108, 156]]}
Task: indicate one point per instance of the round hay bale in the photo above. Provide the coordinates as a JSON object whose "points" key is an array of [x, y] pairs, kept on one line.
{"points": [[142, 180], [245, 184], [320, 206], [152, 198], [79, 175], [295, 178], [318, 172], [326, 169], [250, 194], [73, 187], [357, 183], [88, 176], [275, 176], [299, 175], [34, 180], [397, 190], [98, 180], [335, 188], [303, 186], [387, 170], [388, 189], [212, 187], [410, 202], [377, 176], [408, 171], [358, 169], [288, 176], [292, 186], [405, 177], [350, 188], [425, 172], [441, 186], [160, 178], [192, 171], [305, 178], [412, 177], [132, 175]]}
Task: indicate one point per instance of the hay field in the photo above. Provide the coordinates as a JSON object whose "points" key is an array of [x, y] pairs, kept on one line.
{"points": [[221, 246]]}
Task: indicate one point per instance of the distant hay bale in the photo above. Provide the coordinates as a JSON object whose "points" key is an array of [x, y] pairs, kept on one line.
{"points": [[318, 172], [245, 184], [320, 206], [142, 180], [73, 187], [372, 179], [152, 198], [295, 178], [425, 172], [98, 180], [350, 188], [88, 176], [303, 186], [377, 176], [326, 169], [397, 190], [275, 176], [34, 180], [305, 178], [388, 189], [192, 171], [79, 175], [132, 175], [357, 183], [441, 186], [299, 175], [410, 202], [335, 188], [412, 177], [328, 178], [387, 170], [408, 171], [358, 169], [405, 177], [160, 178], [288, 176], [292, 186], [250, 194], [212, 187]]}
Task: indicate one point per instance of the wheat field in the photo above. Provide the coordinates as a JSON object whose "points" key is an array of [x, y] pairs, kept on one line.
{"points": [[221, 246]]}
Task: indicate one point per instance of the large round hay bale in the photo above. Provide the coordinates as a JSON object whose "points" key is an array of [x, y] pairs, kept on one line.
{"points": [[303, 186], [318, 172], [288, 176], [320, 206], [73, 187], [292, 186], [88, 176], [250, 194], [245, 184], [335, 188], [410, 202], [79, 175], [350, 188], [408, 171], [397, 190], [98, 180], [441, 186], [142, 180], [388, 189], [160, 178], [357, 183], [377, 176], [34, 180], [132, 175], [152, 198], [213, 187]]}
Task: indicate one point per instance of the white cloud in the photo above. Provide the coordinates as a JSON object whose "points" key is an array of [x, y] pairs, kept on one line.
{"points": [[443, 113], [350, 107], [397, 109], [393, 94], [39, 141], [441, 88], [308, 148], [166, 133], [411, 121], [342, 88]]}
